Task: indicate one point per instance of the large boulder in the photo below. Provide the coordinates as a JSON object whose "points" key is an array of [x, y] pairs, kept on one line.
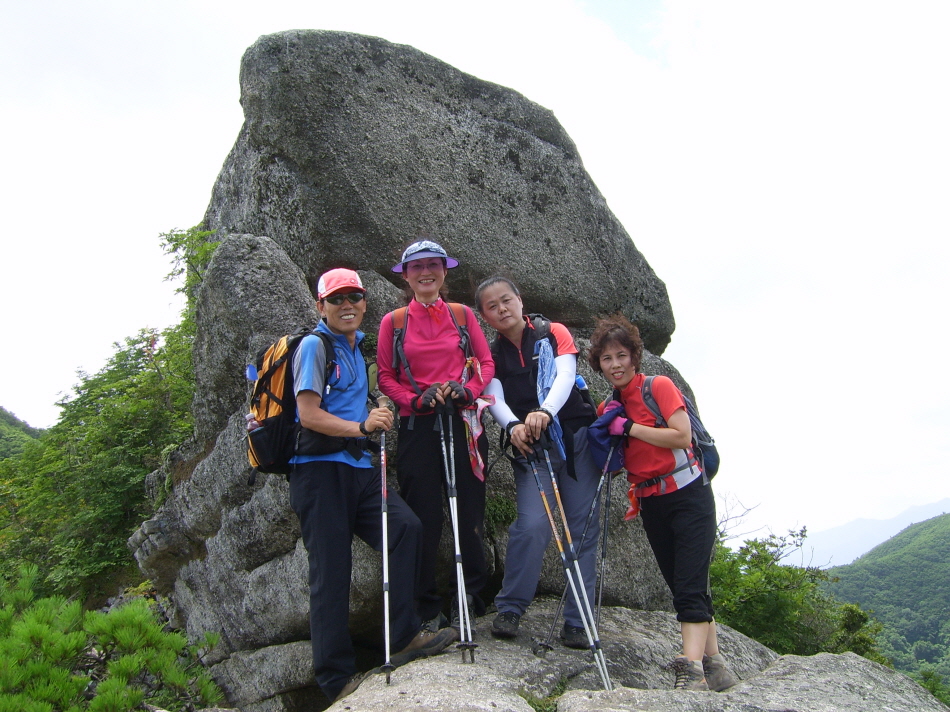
{"points": [[352, 146]]}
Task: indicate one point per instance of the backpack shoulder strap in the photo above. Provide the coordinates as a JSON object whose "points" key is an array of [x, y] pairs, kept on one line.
{"points": [[329, 354], [646, 392], [459, 313], [541, 324], [542, 328], [460, 317], [400, 318]]}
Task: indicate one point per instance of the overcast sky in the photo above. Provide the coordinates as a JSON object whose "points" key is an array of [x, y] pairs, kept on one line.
{"points": [[784, 167]]}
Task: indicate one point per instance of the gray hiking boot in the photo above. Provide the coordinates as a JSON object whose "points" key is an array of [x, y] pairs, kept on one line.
{"points": [[718, 675], [425, 643], [456, 619], [574, 636], [433, 625], [506, 624], [689, 674]]}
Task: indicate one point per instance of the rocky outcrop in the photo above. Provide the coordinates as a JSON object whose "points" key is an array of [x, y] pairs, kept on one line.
{"points": [[638, 646], [352, 145]]}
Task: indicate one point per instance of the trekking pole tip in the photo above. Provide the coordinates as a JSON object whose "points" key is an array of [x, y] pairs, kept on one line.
{"points": [[541, 648], [466, 647]]}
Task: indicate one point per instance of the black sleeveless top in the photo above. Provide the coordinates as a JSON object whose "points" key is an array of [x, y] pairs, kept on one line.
{"points": [[517, 370]]}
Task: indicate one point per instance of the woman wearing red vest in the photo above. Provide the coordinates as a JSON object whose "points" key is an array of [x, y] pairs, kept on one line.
{"points": [[424, 371], [673, 495]]}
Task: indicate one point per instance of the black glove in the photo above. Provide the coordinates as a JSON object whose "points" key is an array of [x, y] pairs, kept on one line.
{"points": [[426, 402], [460, 394], [539, 446]]}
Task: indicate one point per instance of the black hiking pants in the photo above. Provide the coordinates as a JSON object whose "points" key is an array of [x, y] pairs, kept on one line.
{"points": [[681, 528], [420, 472], [334, 501]]}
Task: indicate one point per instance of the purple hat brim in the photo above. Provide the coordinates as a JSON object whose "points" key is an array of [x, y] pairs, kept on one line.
{"points": [[450, 262]]}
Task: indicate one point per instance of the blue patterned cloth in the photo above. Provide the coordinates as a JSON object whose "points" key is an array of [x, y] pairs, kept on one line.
{"points": [[547, 370]]}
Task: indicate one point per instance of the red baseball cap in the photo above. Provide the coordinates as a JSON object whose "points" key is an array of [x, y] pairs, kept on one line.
{"points": [[338, 280]]}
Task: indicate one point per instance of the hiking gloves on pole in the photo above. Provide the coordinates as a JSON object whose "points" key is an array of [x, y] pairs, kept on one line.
{"points": [[426, 402], [460, 394]]}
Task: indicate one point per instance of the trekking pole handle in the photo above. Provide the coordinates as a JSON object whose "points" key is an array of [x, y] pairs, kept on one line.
{"points": [[448, 407]]}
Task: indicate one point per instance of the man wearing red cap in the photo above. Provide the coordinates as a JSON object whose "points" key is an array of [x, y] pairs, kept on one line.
{"points": [[337, 493]]}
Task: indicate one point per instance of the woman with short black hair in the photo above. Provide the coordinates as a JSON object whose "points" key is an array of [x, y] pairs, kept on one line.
{"points": [[670, 490], [535, 357]]}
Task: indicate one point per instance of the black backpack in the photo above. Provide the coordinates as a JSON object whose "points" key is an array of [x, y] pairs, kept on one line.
{"points": [[704, 446]]}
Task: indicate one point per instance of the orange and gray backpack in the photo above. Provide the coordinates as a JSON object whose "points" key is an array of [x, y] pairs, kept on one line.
{"points": [[274, 404], [280, 436]]}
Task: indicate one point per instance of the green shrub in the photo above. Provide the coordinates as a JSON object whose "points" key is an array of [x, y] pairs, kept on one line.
{"points": [[499, 514], [549, 703], [785, 607], [55, 658]]}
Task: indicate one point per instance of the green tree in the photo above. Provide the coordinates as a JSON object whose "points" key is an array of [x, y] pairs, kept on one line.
{"points": [[783, 606], [906, 582], [73, 498], [932, 681], [14, 434], [70, 500]]}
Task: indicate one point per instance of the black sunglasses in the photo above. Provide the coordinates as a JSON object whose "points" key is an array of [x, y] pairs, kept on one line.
{"points": [[337, 299]]}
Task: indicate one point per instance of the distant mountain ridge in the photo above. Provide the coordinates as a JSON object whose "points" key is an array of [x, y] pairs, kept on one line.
{"points": [[905, 583], [842, 545], [14, 434]]}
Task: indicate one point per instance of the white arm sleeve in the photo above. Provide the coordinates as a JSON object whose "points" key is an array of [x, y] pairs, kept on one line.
{"points": [[563, 382], [500, 411]]}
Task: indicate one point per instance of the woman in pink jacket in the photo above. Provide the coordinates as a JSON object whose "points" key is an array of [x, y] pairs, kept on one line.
{"points": [[432, 356]]}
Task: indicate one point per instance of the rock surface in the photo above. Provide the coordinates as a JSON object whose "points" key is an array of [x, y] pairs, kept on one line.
{"points": [[638, 645], [819, 683], [352, 146]]}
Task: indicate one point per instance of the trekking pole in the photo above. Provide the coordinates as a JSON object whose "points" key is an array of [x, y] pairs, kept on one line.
{"points": [[448, 457], [545, 646], [388, 666], [569, 574], [603, 541], [587, 615]]}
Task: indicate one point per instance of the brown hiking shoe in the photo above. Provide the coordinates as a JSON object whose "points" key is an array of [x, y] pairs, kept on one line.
{"points": [[425, 643], [435, 624], [689, 674], [718, 675], [350, 687]]}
